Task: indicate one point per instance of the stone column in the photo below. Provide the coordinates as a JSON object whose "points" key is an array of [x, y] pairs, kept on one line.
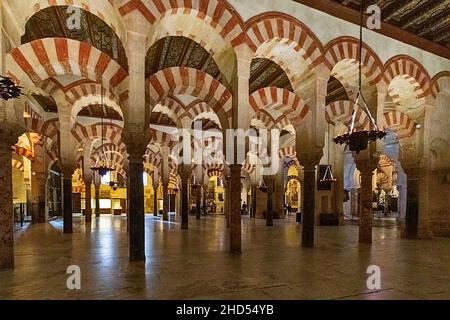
{"points": [[235, 208], [338, 186], [184, 174], [279, 194], [366, 167], [309, 161], [136, 203], [198, 204], [166, 204], [97, 196], [254, 190], [204, 200], [6, 204], [38, 186], [88, 201], [269, 211], [67, 199], [38, 189], [416, 224], [155, 200], [226, 207]]}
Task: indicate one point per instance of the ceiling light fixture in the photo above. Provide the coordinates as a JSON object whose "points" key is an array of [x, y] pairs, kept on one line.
{"points": [[358, 140], [8, 89]]}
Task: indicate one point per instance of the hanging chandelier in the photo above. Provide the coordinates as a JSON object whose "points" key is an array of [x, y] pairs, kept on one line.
{"points": [[328, 175], [194, 182], [262, 185], [358, 140], [102, 166], [8, 89]]}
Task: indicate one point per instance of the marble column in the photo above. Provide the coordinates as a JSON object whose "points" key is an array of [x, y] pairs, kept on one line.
{"points": [[67, 200], [416, 224], [226, 209], [278, 196], [97, 197], [38, 185], [136, 206], [366, 168], [88, 201], [198, 203], [235, 208], [309, 187], [155, 200], [184, 174], [204, 200], [6, 207], [166, 201], [38, 189], [254, 190], [269, 211]]}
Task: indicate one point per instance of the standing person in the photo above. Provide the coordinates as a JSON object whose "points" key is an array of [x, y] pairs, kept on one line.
{"points": [[244, 208], [289, 208]]}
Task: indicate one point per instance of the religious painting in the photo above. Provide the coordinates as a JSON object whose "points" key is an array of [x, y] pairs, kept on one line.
{"points": [[292, 193]]}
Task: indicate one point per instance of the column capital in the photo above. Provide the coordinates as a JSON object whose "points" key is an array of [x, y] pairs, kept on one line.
{"points": [[184, 170], [310, 159], [235, 167], [67, 170], [136, 146], [9, 135], [367, 162]]}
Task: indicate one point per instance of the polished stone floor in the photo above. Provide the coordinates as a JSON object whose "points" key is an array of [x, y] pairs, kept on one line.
{"points": [[195, 264]]}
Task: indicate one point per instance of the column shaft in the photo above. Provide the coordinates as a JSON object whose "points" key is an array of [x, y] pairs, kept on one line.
{"points": [[235, 208], [308, 206], [269, 212], [97, 200], [198, 204], [6, 209], [88, 202], [155, 201], [166, 201], [184, 202], [67, 203], [136, 210], [366, 216]]}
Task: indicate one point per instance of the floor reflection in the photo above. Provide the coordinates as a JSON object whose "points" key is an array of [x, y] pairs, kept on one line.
{"points": [[195, 263]]}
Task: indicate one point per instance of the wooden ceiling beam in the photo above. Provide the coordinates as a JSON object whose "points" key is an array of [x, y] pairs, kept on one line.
{"points": [[345, 13]]}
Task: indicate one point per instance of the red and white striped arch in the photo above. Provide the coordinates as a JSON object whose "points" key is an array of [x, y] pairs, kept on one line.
{"points": [[288, 151], [183, 80], [435, 88], [90, 89], [47, 128], [281, 100], [265, 119], [341, 111], [201, 110], [347, 48], [217, 13], [400, 124], [275, 25], [36, 61], [162, 138], [403, 65], [171, 107], [112, 132], [23, 152], [215, 173]]}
